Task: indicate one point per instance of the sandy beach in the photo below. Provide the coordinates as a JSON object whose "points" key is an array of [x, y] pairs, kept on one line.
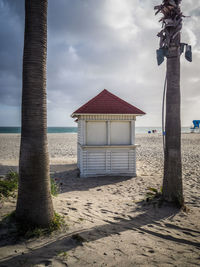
{"points": [[114, 225]]}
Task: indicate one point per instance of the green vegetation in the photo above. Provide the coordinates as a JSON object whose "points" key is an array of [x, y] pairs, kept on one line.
{"points": [[34, 231], [11, 175], [54, 188], [63, 255], [153, 193], [27, 231], [9, 184], [57, 222], [154, 196]]}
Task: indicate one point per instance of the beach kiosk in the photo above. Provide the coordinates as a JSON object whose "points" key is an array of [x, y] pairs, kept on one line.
{"points": [[106, 136]]}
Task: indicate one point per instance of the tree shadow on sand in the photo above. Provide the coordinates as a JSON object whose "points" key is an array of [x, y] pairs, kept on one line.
{"points": [[4, 169], [149, 216], [67, 177]]}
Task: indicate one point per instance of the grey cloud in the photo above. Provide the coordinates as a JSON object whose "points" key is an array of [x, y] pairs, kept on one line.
{"points": [[15, 7], [94, 45], [11, 46]]}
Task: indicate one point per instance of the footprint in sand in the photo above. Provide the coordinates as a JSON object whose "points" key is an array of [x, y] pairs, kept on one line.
{"points": [[88, 204], [151, 251], [105, 211], [73, 209], [117, 218]]}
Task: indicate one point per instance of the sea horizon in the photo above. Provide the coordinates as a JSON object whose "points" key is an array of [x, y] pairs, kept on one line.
{"points": [[72, 129]]}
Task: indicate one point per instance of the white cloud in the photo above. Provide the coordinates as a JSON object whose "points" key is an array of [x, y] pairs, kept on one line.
{"points": [[110, 44]]}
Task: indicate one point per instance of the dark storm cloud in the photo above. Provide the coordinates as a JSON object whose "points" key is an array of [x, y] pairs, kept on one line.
{"points": [[75, 18], [15, 7], [11, 46], [94, 45], [92, 51]]}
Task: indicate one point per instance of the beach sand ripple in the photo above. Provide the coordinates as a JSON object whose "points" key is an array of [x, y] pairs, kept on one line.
{"points": [[109, 222]]}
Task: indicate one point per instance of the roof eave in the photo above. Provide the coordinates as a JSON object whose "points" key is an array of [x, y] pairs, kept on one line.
{"points": [[73, 115]]}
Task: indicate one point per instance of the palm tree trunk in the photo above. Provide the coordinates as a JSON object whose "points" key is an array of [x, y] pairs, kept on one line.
{"points": [[34, 203], [172, 182]]}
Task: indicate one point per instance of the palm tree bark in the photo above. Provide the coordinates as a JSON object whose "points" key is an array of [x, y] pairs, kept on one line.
{"points": [[34, 203], [172, 182]]}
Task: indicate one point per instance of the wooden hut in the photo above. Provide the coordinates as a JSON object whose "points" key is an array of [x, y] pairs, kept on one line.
{"points": [[106, 136]]}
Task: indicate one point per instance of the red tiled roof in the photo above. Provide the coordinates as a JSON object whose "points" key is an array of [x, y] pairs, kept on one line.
{"points": [[107, 103]]}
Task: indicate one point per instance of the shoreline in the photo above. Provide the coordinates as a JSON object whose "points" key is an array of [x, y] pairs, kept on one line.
{"points": [[146, 134]]}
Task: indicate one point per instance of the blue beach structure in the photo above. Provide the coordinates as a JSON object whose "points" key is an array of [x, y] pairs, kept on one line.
{"points": [[196, 126]]}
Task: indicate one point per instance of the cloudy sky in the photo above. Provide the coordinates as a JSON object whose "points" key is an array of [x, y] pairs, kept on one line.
{"points": [[97, 44]]}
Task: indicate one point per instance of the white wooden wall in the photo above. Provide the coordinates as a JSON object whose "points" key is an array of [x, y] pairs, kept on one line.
{"points": [[120, 133], [81, 132], [108, 161], [106, 147], [96, 133], [106, 132]]}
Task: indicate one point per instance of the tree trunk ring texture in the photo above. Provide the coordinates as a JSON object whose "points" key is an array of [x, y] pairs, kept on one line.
{"points": [[34, 204], [172, 182]]}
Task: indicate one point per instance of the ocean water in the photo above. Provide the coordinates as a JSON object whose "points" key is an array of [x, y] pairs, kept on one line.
{"points": [[74, 129], [50, 129]]}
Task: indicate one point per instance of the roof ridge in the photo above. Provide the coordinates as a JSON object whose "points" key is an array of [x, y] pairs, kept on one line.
{"points": [[107, 102], [91, 100], [122, 101]]}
